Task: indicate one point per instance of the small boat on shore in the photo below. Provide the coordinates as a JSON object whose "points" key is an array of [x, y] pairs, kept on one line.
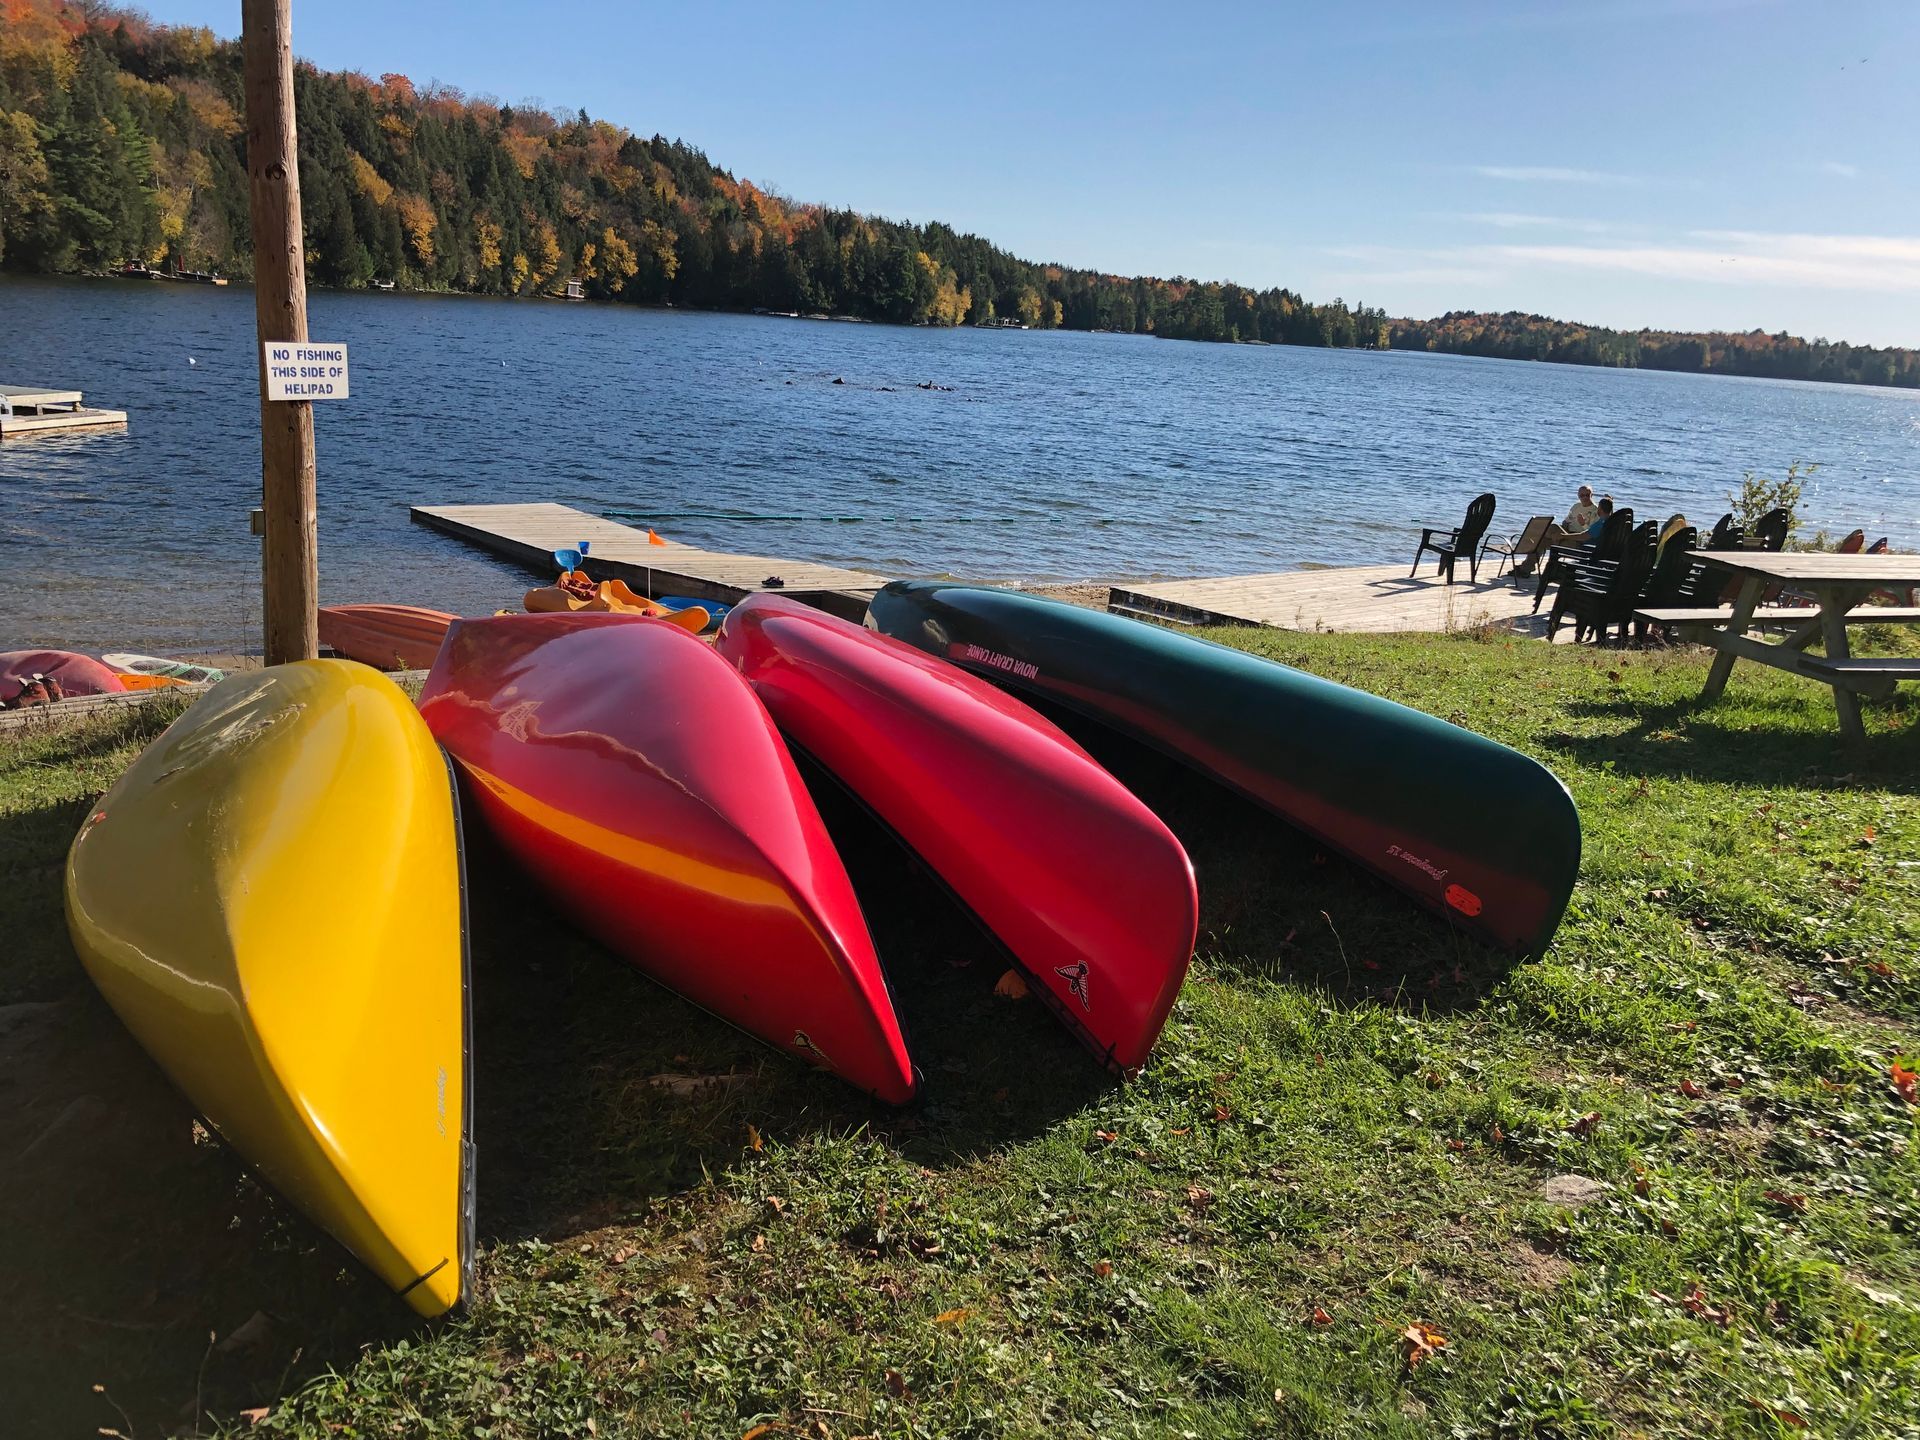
{"points": [[271, 899], [1083, 886], [632, 772], [157, 667], [387, 637], [1483, 835], [72, 674]]}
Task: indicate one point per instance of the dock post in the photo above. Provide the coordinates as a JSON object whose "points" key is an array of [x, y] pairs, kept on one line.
{"points": [[290, 555]]}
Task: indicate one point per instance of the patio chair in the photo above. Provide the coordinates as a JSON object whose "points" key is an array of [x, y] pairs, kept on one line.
{"points": [[1770, 531], [1674, 583], [1511, 548], [1463, 539], [1564, 560], [1605, 592], [1726, 534], [1855, 542]]}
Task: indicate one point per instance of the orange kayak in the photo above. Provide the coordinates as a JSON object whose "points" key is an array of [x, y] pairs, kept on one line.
{"points": [[609, 597], [387, 637]]}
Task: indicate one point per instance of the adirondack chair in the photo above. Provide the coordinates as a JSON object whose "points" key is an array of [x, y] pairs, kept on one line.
{"points": [[1604, 591], [1726, 534], [1675, 580], [1521, 543], [1770, 531], [1855, 542], [1463, 539], [1564, 560], [1884, 546]]}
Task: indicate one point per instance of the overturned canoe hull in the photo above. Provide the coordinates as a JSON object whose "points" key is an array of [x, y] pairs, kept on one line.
{"points": [[1089, 893], [271, 899], [387, 637], [1473, 830], [634, 774]]}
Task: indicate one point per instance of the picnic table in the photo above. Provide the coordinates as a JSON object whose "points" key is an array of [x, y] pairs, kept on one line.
{"points": [[1838, 584]]}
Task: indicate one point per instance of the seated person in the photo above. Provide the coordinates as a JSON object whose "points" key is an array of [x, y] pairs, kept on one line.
{"points": [[1583, 514], [1574, 530], [1593, 527]]}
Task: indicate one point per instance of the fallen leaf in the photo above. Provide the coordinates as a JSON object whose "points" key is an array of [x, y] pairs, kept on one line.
{"points": [[1695, 1302], [1106, 1137], [1103, 1268], [1657, 894], [624, 1254], [952, 1317], [1199, 1196], [753, 1138], [1785, 1417], [1614, 676], [1496, 1134], [776, 1204], [1586, 1124], [1905, 1082], [252, 1417], [1011, 986], [1867, 836], [1421, 1344], [1221, 1114], [1734, 1082], [757, 1431], [1319, 1317], [897, 1384], [1641, 1185], [1795, 1203], [1456, 1144], [1691, 1090], [1668, 1228], [1881, 968], [593, 1426], [759, 1244]]}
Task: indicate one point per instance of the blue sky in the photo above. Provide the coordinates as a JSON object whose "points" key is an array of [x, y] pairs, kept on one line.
{"points": [[1673, 163]]}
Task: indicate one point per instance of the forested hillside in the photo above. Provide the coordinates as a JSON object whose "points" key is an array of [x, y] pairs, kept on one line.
{"points": [[122, 140], [1514, 336]]}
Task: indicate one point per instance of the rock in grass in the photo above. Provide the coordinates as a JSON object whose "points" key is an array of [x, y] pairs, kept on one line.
{"points": [[1573, 1191]]}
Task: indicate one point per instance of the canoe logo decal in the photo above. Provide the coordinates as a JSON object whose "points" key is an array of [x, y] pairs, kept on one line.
{"points": [[803, 1043], [1417, 862], [993, 659], [1463, 900], [1076, 977], [440, 1099]]}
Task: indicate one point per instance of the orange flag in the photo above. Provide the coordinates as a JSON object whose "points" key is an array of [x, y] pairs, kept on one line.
{"points": [[653, 539]]}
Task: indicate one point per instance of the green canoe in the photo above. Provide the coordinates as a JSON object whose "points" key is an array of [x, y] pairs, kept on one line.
{"points": [[1475, 831]]}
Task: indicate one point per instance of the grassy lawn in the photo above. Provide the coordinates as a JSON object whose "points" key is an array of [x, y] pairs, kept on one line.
{"points": [[1377, 1181]]}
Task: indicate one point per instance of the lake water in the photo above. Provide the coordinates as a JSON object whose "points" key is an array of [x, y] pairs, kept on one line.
{"points": [[1052, 456]]}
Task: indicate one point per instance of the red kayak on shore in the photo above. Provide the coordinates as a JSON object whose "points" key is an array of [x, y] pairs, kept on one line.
{"points": [[63, 670], [1090, 894], [633, 772], [387, 637]]}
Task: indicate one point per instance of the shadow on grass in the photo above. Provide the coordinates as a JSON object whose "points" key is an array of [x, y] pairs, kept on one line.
{"points": [[1275, 904], [1731, 743]]}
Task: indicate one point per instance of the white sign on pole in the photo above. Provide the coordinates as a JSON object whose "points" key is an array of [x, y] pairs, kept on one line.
{"points": [[305, 370]]}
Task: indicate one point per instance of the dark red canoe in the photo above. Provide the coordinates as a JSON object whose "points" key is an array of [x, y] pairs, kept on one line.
{"points": [[633, 772], [1088, 891]]}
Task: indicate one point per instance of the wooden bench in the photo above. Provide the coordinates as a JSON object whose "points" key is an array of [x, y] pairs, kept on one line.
{"points": [[1882, 671], [1777, 615]]}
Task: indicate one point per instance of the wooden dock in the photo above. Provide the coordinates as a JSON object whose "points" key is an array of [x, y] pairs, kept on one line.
{"points": [[1361, 598], [36, 410], [529, 534]]}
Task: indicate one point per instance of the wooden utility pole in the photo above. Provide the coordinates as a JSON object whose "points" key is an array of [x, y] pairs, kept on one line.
{"points": [[290, 559]]}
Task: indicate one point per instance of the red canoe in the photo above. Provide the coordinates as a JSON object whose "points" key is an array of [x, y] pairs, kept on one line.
{"points": [[634, 774], [1088, 891], [387, 637], [75, 674]]}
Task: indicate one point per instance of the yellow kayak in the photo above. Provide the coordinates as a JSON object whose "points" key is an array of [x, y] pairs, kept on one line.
{"points": [[271, 898]]}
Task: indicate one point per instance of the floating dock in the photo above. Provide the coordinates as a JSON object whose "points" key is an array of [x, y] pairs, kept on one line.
{"points": [[1375, 599], [529, 534], [35, 410]]}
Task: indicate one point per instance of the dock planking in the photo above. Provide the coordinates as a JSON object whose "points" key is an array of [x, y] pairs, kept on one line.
{"points": [[529, 534], [35, 409], [1377, 599]]}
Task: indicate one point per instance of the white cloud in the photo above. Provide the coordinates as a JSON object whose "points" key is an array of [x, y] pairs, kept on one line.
{"points": [[1511, 220], [1879, 264], [1840, 168], [1555, 175]]}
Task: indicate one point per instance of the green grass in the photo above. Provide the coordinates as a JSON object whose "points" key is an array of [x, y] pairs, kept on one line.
{"points": [[1351, 1115]]}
